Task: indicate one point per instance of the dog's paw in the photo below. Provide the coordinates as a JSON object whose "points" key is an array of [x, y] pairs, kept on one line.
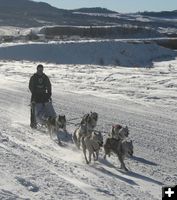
{"points": [[59, 143], [96, 159], [126, 169]]}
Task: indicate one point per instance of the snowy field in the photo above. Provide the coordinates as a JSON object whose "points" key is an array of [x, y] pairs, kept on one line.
{"points": [[145, 99]]}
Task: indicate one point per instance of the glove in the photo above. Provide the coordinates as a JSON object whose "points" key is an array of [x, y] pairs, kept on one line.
{"points": [[50, 100]]}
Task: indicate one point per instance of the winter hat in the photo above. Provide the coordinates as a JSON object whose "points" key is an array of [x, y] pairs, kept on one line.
{"points": [[40, 66]]}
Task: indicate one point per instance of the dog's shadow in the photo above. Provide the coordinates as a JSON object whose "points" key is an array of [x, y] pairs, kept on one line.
{"points": [[139, 176], [127, 173], [107, 163], [64, 136], [144, 161], [109, 173]]}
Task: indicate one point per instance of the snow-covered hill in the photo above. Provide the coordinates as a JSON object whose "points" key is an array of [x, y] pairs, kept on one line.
{"points": [[88, 52], [32, 166], [27, 13]]}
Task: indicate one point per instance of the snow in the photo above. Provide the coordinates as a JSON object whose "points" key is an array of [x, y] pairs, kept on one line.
{"points": [[34, 167], [88, 52], [14, 31]]}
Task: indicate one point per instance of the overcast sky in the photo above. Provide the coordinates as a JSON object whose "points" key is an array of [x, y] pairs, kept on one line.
{"points": [[117, 5]]}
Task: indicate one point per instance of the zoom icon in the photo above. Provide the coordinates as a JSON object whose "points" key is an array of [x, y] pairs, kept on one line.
{"points": [[169, 193]]}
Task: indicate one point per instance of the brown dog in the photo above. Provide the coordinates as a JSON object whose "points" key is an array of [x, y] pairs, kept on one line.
{"points": [[121, 148]]}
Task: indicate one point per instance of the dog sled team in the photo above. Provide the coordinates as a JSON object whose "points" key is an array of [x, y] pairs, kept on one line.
{"points": [[90, 140], [85, 136]]}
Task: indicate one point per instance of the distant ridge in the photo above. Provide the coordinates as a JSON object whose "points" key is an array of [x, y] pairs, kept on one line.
{"points": [[27, 14], [161, 14], [94, 10]]}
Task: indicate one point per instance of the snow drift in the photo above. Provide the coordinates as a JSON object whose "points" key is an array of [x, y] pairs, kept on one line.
{"points": [[88, 52]]}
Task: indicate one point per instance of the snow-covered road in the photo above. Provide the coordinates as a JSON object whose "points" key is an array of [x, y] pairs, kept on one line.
{"points": [[35, 167]]}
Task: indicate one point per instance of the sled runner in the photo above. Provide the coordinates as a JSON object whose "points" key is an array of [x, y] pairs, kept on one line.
{"points": [[33, 123]]}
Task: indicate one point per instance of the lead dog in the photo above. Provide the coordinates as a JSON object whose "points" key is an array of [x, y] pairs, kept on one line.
{"points": [[119, 132], [56, 123], [90, 119], [121, 148], [92, 143], [87, 125]]}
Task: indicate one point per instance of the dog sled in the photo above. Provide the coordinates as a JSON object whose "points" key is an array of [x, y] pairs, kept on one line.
{"points": [[40, 112]]}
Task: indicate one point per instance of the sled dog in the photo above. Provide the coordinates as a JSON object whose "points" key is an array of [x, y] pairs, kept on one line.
{"points": [[56, 123], [90, 119], [121, 148], [119, 132], [87, 125], [92, 143], [78, 133]]}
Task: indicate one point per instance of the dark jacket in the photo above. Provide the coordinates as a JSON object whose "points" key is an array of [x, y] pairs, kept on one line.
{"points": [[40, 88]]}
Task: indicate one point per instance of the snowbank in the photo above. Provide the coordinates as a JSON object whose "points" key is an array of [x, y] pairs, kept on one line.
{"points": [[85, 52]]}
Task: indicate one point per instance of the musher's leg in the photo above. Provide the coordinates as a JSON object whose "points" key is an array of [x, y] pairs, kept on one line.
{"points": [[40, 113]]}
